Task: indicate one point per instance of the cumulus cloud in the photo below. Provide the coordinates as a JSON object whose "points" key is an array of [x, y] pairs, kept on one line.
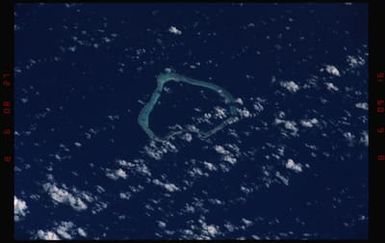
{"points": [[349, 137], [364, 138], [66, 230], [289, 125], [284, 180], [290, 164], [244, 113], [156, 150], [125, 195], [309, 122], [77, 144], [47, 235], [362, 105], [291, 86], [220, 149], [239, 101], [226, 154], [212, 230], [20, 208], [331, 86], [209, 166], [355, 61], [167, 186], [174, 30], [332, 70], [61, 195], [116, 174], [220, 112]]}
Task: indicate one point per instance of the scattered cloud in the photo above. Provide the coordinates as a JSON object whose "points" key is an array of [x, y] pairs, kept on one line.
{"points": [[116, 174], [66, 230], [61, 195], [355, 61], [362, 105], [331, 86], [291, 86], [167, 186], [289, 125], [20, 209], [309, 122], [47, 235], [332, 70], [174, 30], [364, 138], [290, 164]]}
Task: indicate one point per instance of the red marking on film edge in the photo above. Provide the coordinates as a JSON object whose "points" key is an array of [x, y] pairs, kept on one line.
{"points": [[6, 107], [7, 103], [6, 75], [380, 76], [7, 131], [7, 158], [6, 111], [6, 83], [6, 79]]}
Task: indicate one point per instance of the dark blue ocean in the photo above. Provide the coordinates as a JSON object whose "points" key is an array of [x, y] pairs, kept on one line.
{"points": [[294, 166]]}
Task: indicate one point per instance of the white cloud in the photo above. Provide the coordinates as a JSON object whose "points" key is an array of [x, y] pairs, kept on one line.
{"points": [[331, 86], [210, 166], [291, 86], [289, 125], [220, 149], [362, 105], [66, 230], [258, 107], [247, 222], [20, 208], [282, 178], [230, 159], [332, 70], [290, 164], [187, 137], [244, 113], [220, 112], [123, 162], [161, 224], [349, 137], [114, 175], [137, 165], [47, 235], [171, 187], [355, 61], [82, 232], [309, 122], [239, 101], [174, 30], [364, 138], [156, 150], [226, 155], [125, 195], [168, 186], [61, 195], [212, 230]]}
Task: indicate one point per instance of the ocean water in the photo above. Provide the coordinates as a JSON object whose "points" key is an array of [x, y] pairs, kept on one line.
{"points": [[294, 166]]}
